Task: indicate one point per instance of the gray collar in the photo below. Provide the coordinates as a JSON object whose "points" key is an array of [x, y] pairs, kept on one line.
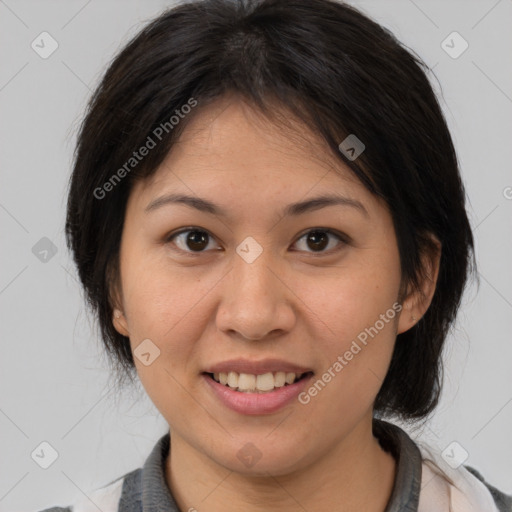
{"points": [[145, 489], [406, 491]]}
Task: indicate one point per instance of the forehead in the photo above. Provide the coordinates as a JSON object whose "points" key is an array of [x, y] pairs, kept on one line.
{"points": [[229, 147]]}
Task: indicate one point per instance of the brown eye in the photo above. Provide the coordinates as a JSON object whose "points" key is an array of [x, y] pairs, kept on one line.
{"points": [[318, 239], [196, 240]]}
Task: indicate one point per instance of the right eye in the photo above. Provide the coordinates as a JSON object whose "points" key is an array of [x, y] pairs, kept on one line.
{"points": [[190, 240]]}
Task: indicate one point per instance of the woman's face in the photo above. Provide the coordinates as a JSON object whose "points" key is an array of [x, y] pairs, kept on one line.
{"points": [[260, 287]]}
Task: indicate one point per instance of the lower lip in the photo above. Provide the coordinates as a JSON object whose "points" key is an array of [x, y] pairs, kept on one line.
{"points": [[257, 403]]}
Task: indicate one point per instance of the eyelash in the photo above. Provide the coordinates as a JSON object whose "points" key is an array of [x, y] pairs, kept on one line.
{"points": [[344, 239]]}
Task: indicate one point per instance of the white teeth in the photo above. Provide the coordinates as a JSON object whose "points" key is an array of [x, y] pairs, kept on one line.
{"points": [[279, 379], [233, 380], [265, 382], [290, 377], [246, 382]]}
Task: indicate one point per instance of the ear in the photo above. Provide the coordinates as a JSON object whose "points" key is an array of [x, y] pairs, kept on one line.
{"points": [[416, 302], [118, 316], [120, 323]]}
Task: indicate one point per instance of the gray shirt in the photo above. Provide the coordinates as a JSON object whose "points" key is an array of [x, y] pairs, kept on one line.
{"points": [[145, 489]]}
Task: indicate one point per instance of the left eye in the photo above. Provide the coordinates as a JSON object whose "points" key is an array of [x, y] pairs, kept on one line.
{"points": [[197, 239], [319, 239]]}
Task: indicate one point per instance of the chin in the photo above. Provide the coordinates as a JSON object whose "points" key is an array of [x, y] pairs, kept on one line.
{"points": [[260, 458]]}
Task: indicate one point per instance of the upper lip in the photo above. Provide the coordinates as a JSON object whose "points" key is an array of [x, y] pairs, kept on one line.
{"points": [[256, 367]]}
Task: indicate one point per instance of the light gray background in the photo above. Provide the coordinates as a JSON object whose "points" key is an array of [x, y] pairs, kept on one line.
{"points": [[53, 375]]}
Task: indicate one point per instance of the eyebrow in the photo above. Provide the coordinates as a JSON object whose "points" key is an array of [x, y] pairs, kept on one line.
{"points": [[293, 209]]}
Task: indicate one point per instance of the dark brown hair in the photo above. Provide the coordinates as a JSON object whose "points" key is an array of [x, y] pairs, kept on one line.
{"points": [[328, 65]]}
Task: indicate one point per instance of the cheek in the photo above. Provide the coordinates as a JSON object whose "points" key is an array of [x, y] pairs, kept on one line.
{"points": [[357, 317], [344, 304], [157, 297], [163, 307], [353, 371], [166, 306]]}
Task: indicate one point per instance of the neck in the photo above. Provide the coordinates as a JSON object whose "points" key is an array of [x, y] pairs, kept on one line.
{"points": [[357, 474]]}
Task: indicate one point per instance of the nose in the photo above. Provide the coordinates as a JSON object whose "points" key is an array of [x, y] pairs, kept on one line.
{"points": [[256, 300]]}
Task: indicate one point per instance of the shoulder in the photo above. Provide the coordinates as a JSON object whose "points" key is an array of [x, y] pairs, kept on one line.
{"points": [[106, 498], [503, 501], [141, 489], [461, 489], [435, 484]]}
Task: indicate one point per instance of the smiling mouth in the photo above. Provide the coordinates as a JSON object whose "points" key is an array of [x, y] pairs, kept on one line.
{"points": [[264, 383]]}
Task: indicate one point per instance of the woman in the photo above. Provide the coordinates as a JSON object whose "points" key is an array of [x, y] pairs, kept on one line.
{"points": [[267, 216]]}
